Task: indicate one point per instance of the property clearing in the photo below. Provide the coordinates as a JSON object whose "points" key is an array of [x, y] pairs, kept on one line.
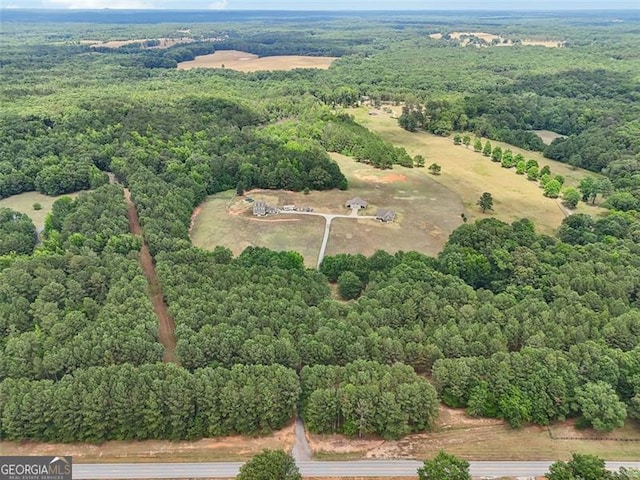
{"points": [[469, 174], [484, 439], [229, 449], [248, 62], [426, 214], [23, 203]]}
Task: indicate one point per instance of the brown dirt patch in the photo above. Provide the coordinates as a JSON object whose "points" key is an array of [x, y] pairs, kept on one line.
{"points": [[388, 178], [194, 216], [233, 448], [247, 62]]}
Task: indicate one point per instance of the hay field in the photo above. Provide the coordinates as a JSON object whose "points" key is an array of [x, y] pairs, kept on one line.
{"points": [[247, 62], [23, 203], [469, 174]]}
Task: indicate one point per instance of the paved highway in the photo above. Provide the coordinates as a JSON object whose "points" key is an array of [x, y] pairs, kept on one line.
{"points": [[361, 468]]}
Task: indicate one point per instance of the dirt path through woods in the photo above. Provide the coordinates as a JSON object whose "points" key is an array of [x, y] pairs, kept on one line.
{"points": [[166, 330]]}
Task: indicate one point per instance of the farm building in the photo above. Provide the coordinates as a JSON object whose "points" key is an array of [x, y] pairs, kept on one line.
{"points": [[356, 202], [259, 208], [385, 215]]}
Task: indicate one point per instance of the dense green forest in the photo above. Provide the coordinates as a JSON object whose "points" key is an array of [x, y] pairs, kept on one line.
{"points": [[504, 322]]}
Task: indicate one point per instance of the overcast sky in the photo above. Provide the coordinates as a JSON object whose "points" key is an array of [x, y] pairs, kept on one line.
{"points": [[331, 4]]}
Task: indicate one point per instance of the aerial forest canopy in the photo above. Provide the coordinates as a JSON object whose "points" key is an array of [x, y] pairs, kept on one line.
{"points": [[505, 322]]}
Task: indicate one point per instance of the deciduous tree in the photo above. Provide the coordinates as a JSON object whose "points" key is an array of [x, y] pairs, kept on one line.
{"points": [[270, 465], [485, 202], [444, 466]]}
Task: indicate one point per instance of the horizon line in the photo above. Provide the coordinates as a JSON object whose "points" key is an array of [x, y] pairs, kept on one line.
{"points": [[234, 10]]}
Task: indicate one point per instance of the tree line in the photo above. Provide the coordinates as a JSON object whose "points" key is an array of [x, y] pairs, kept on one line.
{"points": [[160, 401]]}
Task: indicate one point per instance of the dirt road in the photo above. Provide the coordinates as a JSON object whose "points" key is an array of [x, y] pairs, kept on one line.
{"points": [[166, 325]]}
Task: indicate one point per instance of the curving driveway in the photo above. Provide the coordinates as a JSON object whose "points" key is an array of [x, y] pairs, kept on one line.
{"points": [[328, 217]]}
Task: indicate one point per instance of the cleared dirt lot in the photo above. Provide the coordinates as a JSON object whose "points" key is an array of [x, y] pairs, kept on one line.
{"points": [[247, 62], [469, 174], [426, 214]]}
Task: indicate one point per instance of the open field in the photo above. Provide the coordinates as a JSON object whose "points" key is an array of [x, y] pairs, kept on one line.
{"points": [[489, 37], [227, 220], [24, 203], [164, 42], [469, 173], [547, 136], [426, 213], [230, 449], [483, 439], [247, 62]]}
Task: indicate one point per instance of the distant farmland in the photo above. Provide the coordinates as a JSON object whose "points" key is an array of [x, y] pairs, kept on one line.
{"points": [[247, 62]]}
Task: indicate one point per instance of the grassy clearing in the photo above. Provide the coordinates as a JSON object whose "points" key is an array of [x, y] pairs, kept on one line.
{"points": [[227, 220], [426, 214], [248, 62], [23, 203], [224, 449], [547, 136], [163, 42], [468, 173], [489, 37], [426, 211], [485, 439]]}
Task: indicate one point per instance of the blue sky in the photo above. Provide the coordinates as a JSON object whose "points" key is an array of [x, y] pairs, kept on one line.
{"points": [[331, 4]]}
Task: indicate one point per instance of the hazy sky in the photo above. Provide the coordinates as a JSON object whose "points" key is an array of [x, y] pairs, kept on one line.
{"points": [[331, 4]]}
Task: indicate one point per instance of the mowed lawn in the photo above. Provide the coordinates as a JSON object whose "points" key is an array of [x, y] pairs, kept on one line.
{"points": [[227, 220], [426, 214], [426, 211], [469, 174], [23, 203]]}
